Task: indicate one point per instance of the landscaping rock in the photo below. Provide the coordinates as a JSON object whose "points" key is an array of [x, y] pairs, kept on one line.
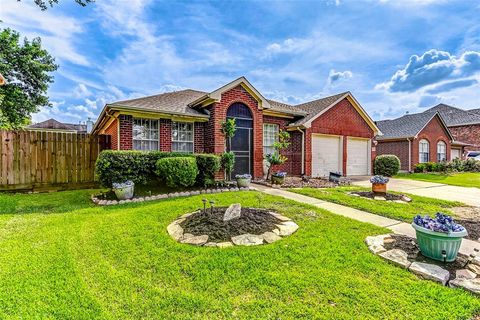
{"points": [[472, 285], [377, 240], [287, 228], [233, 211], [247, 240], [186, 215], [379, 198], [406, 199], [376, 249], [430, 272], [224, 244], [270, 237], [195, 240], [465, 274], [396, 256], [473, 267], [280, 217], [400, 201], [210, 244], [476, 261], [175, 231]]}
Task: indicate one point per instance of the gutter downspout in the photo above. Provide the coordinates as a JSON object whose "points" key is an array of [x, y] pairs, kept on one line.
{"points": [[303, 151], [409, 155]]}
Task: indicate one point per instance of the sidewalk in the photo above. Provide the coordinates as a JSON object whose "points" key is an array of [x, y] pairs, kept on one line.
{"points": [[396, 226]]}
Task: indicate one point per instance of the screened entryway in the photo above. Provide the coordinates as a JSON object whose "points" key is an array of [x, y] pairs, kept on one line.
{"points": [[242, 142]]}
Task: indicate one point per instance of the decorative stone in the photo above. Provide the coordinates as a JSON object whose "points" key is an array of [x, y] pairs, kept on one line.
{"points": [[195, 240], [276, 231], [247, 240], [102, 202], [376, 249], [400, 201], [377, 240], [476, 261], [465, 274], [175, 231], [379, 198], [186, 215], [270, 237], [233, 211], [355, 194], [287, 228], [406, 199], [224, 244], [210, 244], [472, 285], [396, 256], [430, 272], [473, 267], [280, 217]]}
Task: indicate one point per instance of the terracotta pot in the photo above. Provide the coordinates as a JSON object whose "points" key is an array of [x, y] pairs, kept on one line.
{"points": [[379, 187]]}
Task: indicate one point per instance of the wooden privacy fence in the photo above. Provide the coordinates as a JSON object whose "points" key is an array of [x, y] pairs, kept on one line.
{"points": [[45, 159]]}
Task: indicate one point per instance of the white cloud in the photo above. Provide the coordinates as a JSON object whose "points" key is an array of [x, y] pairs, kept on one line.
{"points": [[81, 91], [57, 31], [335, 76]]}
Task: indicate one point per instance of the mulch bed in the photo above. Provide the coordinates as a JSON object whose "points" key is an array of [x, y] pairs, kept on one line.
{"points": [[409, 245], [251, 220], [473, 228], [371, 195], [298, 182]]}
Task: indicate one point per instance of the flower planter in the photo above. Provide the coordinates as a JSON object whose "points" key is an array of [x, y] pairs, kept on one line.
{"points": [[439, 245], [124, 193], [379, 188], [243, 182], [278, 180]]}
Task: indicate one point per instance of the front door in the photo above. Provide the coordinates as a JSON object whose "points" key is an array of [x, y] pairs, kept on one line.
{"points": [[241, 144]]}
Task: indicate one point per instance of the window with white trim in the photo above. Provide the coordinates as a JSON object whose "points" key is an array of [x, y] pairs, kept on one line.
{"points": [[424, 151], [145, 134], [182, 137], [270, 136], [441, 151]]}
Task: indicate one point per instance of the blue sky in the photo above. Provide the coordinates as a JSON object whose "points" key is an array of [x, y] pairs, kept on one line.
{"points": [[393, 56]]}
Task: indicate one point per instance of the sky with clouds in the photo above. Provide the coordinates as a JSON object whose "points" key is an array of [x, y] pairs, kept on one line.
{"points": [[394, 56]]}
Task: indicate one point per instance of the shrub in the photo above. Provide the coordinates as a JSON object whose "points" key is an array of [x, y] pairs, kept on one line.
{"points": [[208, 165], [387, 165], [177, 171], [420, 167], [228, 161]]}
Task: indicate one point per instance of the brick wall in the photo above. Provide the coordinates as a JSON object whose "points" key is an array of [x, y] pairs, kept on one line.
{"points": [[165, 135], [433, 132], [126, 127], [343, 120], [112, 131], [199, 137], [468, 134], [398, 148]]}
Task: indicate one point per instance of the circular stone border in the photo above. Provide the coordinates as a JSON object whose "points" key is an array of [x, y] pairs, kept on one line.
{"points": [[103, 202], [403, 198], [285, 228]]}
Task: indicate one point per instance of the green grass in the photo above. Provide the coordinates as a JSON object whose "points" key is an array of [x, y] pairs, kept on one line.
{"points": [[62, 258], [463, 179], [400, 211]]}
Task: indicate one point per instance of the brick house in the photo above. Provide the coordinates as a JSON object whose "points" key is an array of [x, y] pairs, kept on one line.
{"points": [[329, 134], [464, 125], [416, 138]]}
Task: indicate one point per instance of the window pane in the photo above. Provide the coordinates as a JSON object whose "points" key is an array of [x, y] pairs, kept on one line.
{"points": [[145, 134]]}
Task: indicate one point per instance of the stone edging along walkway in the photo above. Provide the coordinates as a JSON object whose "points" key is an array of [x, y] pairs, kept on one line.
{"points": [[468, 246]]}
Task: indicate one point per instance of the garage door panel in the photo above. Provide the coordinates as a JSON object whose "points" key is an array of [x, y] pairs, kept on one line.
{"points": [[325, 155], [357, 157]]}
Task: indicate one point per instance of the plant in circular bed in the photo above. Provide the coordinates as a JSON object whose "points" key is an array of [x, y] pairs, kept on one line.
{"points": [[439, 238], [278, 178], [379, 184], [243, 180], [123, 190]]}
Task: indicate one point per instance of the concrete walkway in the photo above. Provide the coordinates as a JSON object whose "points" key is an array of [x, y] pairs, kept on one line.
{"points": [[469, 196], [396, 226]]}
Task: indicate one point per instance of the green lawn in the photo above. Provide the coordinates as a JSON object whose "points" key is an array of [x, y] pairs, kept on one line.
{"points": [[463, 179], [62, 258], [400, 211]]}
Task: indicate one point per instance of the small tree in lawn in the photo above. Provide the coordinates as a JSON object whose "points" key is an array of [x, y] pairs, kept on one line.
{"points": [[276, 158], [228, 158]]}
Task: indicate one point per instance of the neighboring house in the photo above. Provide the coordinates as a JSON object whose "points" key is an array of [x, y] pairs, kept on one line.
{"points": [[329, 134], [416, 138], [464, 126], [54, 125]]}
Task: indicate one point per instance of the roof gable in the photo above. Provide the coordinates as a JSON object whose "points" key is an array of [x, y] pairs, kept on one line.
{"points": [[454, 116]]}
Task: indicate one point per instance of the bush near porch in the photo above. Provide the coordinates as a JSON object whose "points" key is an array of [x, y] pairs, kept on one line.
{"points": [[456, 165], [140, 166]]}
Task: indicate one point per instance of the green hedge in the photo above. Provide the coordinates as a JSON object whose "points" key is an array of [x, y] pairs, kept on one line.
{"points": [[387, 165], [456, 165], [139, 166], [177, 171]]}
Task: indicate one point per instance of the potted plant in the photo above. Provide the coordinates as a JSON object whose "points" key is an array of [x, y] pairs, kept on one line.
{"points": [[278, 178], [439, 238], [123, 190], [243, 180], [379, 184]]}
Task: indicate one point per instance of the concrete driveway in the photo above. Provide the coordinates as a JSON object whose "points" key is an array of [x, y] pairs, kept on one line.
{"points": [[469, 196]]}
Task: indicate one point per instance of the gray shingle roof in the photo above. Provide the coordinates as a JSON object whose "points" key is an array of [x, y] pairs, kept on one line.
{"points": [[455, 116], [57, 125], [312, 108], [475, 111], [404, 127], [287, 108]]}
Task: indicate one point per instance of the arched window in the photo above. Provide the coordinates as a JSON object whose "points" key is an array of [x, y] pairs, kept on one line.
{"points": [[441, 151], [424, 151]]}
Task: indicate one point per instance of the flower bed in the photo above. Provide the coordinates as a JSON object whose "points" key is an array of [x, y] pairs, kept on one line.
{"points": [[298, 182]]}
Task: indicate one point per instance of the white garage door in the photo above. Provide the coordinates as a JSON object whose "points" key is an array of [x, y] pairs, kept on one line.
{"points": [[326, 155], [456, 154], [357, 157]]}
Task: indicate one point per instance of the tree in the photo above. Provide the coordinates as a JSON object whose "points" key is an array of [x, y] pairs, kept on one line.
{"points": [[276, 158], [25, 67], [228, 158], [43, 4]]}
